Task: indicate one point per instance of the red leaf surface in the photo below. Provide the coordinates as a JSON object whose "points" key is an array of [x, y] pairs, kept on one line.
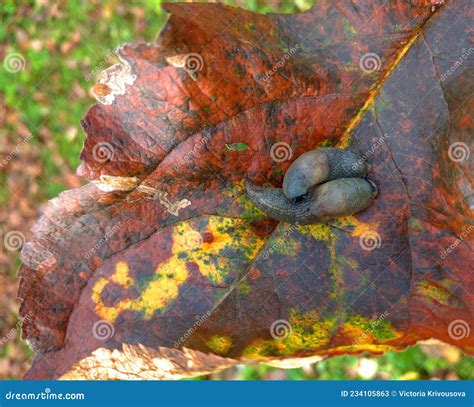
{"points": [[171, 252]]}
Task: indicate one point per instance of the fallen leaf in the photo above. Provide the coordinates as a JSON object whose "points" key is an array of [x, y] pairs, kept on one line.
{"points": [[185, 259]]}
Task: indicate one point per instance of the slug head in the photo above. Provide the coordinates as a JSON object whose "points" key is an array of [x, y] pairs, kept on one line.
{"points": [[342, 197], [306, 171], [321, 165]]}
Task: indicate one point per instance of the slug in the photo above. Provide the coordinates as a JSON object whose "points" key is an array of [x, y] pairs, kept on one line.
{"points": [[339, 197], [321, 165]]}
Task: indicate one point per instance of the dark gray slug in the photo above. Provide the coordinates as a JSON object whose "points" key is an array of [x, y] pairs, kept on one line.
{"points": [[321, 165], [339, 197], [320, 185]]}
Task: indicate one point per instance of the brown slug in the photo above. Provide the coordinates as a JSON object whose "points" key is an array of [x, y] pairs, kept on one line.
{"points": [[321, 165], [339, 197]]}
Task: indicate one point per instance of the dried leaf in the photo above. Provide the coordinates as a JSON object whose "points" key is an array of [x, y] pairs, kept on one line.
{"points": [[185, 259]]}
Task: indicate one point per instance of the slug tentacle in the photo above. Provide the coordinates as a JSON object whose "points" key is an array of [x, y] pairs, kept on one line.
{"points": [[321, 165], [339, 197]]}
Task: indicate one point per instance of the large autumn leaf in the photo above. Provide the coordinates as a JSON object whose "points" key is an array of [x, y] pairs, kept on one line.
{"points": [[163, 249]]}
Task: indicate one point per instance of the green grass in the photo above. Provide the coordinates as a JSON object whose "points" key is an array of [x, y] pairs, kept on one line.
{"points": [[411, 363], [53, 74]]}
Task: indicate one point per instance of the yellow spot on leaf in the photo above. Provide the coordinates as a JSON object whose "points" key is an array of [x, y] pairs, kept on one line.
{"points": [[220, 344], [356, 227], [162, 290], [438, 293], [320, 231], [362, 347], [121, 275], [189, 246], [363, 331], [311, 333], [237, 193], [308, 332]]}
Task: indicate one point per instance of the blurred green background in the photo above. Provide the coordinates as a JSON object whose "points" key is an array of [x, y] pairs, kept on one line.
{"points": [[60, 46]]}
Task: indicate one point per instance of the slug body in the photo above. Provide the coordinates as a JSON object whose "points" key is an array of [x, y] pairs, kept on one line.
{"points": [[321, 165], [339, 197], [320, 185]]}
